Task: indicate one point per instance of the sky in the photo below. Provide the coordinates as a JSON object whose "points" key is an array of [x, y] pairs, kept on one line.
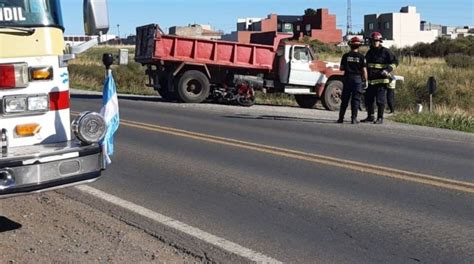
{"points": [[126, 15]]}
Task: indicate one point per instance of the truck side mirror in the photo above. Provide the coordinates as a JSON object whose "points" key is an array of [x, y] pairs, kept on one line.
{"points": [[96, 17]]}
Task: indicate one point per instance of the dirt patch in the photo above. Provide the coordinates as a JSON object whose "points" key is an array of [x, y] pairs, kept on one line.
{"points": [[51, 228]]}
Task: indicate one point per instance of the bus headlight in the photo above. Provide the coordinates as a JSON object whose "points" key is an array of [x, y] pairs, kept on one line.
{"points": [[25, 104], [38, 103], [14, 104], [89, 127]]}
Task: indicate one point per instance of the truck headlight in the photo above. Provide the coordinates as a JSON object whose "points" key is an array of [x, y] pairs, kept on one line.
{"points": [[38, 103], [89, 127], [14, 104]]}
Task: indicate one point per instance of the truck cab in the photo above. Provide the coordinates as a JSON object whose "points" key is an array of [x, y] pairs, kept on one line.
{"points": [[308, 78], [38, 150]]}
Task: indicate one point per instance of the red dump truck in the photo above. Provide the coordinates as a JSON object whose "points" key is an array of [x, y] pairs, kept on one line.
{"points": [[192, 70]]}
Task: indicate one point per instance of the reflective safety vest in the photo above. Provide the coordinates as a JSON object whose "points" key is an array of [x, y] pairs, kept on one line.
{"points": [[380, 66], [379, 81]]}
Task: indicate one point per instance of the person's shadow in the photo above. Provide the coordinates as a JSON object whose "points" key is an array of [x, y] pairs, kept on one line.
{"points": [[7, 225], [60, 134]]}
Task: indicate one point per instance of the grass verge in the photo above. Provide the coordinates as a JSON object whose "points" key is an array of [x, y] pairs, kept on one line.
{"points": [[454, 121]]}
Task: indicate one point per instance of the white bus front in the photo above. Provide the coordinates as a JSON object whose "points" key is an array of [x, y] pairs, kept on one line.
{"points": [[37, 152]]}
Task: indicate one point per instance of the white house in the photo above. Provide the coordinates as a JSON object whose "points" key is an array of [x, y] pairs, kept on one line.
{"points": [[399, 29]]}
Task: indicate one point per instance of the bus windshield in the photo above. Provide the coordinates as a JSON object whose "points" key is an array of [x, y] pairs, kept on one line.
{"points": [[31, 13]]}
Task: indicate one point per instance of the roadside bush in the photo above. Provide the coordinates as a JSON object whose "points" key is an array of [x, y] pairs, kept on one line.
{"points": [[455, 85], [87, 72], [441, 47], [320, 47], [459, 60]]}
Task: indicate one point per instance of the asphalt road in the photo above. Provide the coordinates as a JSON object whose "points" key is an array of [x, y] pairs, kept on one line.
{"points": [[298, 196]]}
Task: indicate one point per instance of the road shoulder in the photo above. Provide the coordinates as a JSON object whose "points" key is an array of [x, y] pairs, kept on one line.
{"points": [[51, 228]]}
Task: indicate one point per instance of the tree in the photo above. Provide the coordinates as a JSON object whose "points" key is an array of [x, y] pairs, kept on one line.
{"points": [[310, 12]]}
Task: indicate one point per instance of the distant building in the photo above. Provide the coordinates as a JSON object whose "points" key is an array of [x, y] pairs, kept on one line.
{"points": [[245, 24], [196, 31], [428, 26], [448, 31], [457, 32], [129, 40], [74, 40], [321, 26], [399, 29]]}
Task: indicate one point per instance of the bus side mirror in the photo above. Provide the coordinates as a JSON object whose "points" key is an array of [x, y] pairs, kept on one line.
{"points": [[96, 17]]}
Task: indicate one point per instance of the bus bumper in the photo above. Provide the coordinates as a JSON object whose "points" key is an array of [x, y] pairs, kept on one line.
{"points": [[33, 169]]}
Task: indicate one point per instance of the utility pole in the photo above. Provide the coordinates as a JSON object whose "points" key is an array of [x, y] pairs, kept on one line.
{"points": [[118, 32], [349, 18]]}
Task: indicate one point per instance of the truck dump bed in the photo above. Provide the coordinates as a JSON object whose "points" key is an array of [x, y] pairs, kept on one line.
{"points": [[153, 46]]}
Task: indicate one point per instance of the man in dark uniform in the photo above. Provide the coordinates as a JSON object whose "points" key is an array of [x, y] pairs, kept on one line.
{"points": [[355, 76], [380, 63]]}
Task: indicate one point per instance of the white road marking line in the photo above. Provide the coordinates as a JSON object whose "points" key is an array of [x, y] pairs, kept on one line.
{"points": [[179, 226]]}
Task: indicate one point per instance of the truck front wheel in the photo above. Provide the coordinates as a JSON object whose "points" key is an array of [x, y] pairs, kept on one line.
{"points": [[306, 101], [331, 98], [193, 87]]}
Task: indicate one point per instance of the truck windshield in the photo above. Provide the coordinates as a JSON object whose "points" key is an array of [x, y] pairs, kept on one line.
{"points": [[31, 13]]}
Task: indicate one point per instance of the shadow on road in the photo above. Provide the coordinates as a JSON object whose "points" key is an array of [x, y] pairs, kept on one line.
{"points": [[283, 118], [8, 225], [145, 98], [123, 97]]}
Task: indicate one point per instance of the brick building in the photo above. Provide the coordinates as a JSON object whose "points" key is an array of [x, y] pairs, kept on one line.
{"points": [[321, 26]]}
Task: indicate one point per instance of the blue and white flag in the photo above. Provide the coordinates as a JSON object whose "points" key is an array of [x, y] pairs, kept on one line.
{"points": [[110, 112]]}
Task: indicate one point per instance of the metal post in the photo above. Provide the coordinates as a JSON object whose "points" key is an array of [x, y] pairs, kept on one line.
{"points": [[118, 31], [432, 86], [431, 103], [108, 60]]}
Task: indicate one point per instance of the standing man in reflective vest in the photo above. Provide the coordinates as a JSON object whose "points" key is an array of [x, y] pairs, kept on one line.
{"points": [[380, 63], [355, 77]]}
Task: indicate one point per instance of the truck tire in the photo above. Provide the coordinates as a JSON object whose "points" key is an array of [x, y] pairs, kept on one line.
{"points": [[331, 98], [306, 101], [193, 87], [164, 91]]}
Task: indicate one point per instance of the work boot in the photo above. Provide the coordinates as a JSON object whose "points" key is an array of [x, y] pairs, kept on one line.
{"points": [[368, 119], [354, 121], [379, 121]]}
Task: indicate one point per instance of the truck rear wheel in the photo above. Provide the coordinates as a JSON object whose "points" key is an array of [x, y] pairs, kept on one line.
{"points": [[306, 101], [193, 87], [332, 95]]}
